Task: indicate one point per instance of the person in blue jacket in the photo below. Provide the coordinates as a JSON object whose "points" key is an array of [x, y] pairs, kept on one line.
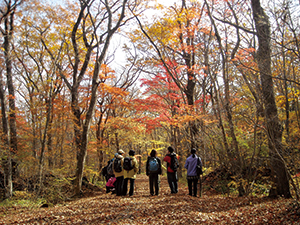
{"points": [[191, 165]]}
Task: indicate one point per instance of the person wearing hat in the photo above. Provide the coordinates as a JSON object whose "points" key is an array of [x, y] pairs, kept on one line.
{"points": [[171, 171], [121, 152], [192, 177], [131, 168], [119, 172]]}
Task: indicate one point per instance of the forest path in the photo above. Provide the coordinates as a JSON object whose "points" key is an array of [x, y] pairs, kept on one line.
{"points": [[166, 208]]}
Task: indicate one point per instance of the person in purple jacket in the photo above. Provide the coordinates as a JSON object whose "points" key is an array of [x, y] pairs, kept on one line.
{"points": [[191, 165]]}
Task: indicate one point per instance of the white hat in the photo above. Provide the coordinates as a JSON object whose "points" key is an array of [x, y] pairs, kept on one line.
{"points": [[121, 151]]}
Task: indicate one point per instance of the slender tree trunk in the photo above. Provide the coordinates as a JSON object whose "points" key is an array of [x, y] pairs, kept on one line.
{"points": [[100, 152], [140, 158], [286, 92], [82, 146], [6, 162], [44, 140], [274, 129], [117, 141], [11, 134], [50, 142], [34, 132], [216, 109], [80, 142], [189, 92], [11, 91], [61, 140]]}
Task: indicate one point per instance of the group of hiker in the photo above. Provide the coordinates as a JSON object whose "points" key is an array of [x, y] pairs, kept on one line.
{"points": [[120, 170]]}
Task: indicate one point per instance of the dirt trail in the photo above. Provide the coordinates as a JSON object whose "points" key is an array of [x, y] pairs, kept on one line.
{"points": [[166, 208]]}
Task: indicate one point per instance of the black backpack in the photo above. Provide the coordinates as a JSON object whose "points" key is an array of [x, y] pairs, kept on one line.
{"points": [[174, 162], [117, 165], [199, 167], [109, 168], [127, 163], [104, 171]]}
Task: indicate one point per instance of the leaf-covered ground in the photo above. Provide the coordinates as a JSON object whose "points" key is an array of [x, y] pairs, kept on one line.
{"points": [[141, 208]]}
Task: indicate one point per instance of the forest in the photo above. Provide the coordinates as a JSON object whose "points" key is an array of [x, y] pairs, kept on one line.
{"points": [[81, 79]]}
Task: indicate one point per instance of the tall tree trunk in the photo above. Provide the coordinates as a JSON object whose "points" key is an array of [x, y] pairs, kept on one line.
{"points": [[44, 141], [6, 162], [50, 142], [9, 23], [274, 129], [100, 152], [11, 134], [189, 58], [217, 112], [286, 92], [80, 143]]}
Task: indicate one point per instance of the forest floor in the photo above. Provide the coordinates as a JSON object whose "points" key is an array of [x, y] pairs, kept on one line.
{"points": [[166, 208]]}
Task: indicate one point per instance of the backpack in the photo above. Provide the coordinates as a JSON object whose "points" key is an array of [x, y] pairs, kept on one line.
{"points": [[117, 165], [153, 165], [109, 168], [199, 168], [127, 163], [110, 182], [174, 162]]}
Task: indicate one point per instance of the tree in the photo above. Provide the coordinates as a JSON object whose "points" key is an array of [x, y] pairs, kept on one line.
{"points": [[286, 79], [178, 40], [90, 40], [113, 96], [9, 128], [39, 87], [274, 129], [81, 128]]}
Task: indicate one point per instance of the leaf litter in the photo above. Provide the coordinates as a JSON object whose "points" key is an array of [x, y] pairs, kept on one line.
{"points": [[166, 208]]}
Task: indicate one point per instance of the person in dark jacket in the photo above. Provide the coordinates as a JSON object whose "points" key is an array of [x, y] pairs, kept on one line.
{"points": [[130, 175], [119, 175], [107, 176], [171, 174], [191, 165], [105, 173], [153, 170]]}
